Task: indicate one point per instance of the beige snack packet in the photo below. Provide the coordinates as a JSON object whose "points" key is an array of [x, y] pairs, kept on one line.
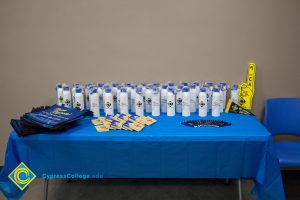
{"points": [[116, 117], [149, 121], [101, 128], [137, 118], [117, 124], [123, 117], [133, 125], [98, 121]]}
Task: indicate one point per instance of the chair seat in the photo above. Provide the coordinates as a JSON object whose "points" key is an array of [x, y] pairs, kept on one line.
{"points": [[288, 153]]}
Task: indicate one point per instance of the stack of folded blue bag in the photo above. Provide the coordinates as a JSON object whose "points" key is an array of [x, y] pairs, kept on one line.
{"points": [[48, 120]]}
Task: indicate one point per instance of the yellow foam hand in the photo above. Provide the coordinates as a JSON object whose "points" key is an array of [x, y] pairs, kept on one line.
{"points": [[246, 90]]}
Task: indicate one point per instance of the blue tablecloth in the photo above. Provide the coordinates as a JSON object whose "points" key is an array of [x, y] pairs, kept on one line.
{"points": [[166, 149]]}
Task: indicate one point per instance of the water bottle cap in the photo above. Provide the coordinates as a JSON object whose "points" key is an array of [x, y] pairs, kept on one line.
{"points": [[203, 89], [139, 90], [114, 84], [78, 90], [100, 85], [143, 84], [93, 90], [193, 86], [66, 88], [58, 85], [223, 83], [164, 86], [127, 84], [180, 87], [107, 90], [123, 89], [133, 86], [216, 90], [234, 87], [156, 84], [196, 83], [186, 89], [171, 84], [106, 86], [185, 83], [149, 86]]}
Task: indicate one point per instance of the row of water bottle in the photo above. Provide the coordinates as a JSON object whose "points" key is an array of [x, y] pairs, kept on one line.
{"points": [[155, 98]]}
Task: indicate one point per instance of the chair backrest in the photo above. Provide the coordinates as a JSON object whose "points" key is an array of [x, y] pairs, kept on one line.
{"points": [[282, 116]]}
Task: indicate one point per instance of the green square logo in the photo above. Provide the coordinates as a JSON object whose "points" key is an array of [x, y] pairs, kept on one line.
{"points": [[22, 176]]}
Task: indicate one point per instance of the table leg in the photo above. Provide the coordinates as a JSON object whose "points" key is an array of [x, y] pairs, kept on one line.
{"points": [[227, 181], [46, 182], [240, 189]]}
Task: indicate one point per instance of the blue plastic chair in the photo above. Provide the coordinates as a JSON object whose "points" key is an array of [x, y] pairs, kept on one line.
{"points": [[282, 116]]}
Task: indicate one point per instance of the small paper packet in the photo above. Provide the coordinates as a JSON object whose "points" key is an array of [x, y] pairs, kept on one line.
{"points": [[98, 121], [116, 124], [133, 125], [123, 117], [109, 118], [116, 116], [149, 121], [137, 118], [101, 128]]}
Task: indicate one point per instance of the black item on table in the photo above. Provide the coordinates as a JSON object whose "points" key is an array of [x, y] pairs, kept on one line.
{"points": [[206, 123]]}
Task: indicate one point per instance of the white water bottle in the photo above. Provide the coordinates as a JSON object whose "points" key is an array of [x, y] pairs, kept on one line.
{"points": [[87, 95], [144, 95], [79, 99], [209, 87], [186, 102], [148, 99], [215, 103], [164, 94], [128, 88], [118, 97], [202, 103], [171, 102], [221, 98], [193, 97], [59, 91], [234, 93], [123, 101], [132, 99], [139, 102], [94, 102], [224, 92], [114, 91], [197, 85], [100, 93], [75, 85], [179, 99], [67, 98], [108, 102], [155, 101]]}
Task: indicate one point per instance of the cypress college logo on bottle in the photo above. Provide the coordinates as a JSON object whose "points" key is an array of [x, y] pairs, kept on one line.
{"points": [[22, 176]]}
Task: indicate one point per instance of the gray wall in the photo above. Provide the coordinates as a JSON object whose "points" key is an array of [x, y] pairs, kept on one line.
{"points": [[45, 42]]}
